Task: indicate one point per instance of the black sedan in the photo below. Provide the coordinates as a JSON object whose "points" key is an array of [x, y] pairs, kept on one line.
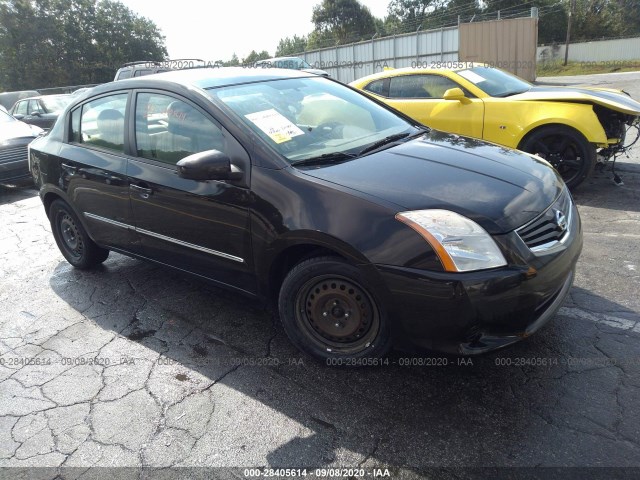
{"points": [[41, 111], [15, 137], [365, 228]]}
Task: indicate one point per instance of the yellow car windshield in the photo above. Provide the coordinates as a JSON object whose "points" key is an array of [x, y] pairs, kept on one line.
{"points": [[494, 82]]}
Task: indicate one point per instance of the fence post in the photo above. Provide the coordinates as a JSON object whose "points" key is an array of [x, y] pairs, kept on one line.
{"points": [[394, 50], [353, 59], [373, 53], [418, 45]]}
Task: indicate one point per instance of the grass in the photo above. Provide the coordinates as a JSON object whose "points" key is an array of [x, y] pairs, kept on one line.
{"points": [[556, 67]]}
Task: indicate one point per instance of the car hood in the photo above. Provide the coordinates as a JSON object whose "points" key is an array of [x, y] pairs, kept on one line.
{"points": [[17, 129], [499, 188], [607, 97]]}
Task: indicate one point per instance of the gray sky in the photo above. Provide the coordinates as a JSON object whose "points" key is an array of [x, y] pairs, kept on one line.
{"points": [[217, 29]]}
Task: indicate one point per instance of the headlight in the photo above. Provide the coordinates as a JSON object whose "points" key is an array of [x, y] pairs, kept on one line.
{"points": [[461, 244]]}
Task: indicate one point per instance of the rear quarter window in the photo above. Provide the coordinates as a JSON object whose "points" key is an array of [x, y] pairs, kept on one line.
{"points": [[100, 123], [377, 87]]}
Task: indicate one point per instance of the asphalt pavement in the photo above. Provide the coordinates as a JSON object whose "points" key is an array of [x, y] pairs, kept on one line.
{"points": [[132, 365]]}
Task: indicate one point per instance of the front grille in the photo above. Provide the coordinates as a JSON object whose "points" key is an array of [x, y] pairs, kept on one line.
{"points": [[13, 153], [551, 227]]}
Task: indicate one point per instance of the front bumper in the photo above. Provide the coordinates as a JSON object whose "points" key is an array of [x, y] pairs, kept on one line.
{"points": [[476, 312]]}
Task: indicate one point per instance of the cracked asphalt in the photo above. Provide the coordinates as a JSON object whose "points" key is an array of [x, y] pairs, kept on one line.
{"points": [[132, 365]]}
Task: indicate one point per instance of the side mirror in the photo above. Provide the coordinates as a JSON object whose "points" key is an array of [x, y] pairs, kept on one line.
{"points": [[35, 114], [456, 94], [208, 165]]}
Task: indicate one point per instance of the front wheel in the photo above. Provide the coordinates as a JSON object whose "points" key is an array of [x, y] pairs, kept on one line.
{"points": [[72, 239], [566, 149], [329, 312]]}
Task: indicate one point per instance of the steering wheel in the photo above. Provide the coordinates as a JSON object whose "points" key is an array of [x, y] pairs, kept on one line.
{"points": [[329, 129]]}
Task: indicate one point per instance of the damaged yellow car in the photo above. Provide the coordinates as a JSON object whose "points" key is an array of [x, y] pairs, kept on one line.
{"points": [[572, 128]]}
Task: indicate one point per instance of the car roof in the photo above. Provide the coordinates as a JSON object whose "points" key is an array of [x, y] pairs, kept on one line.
{"points": [[211, 77], [444, 66], [281, 58], [43, 96]]}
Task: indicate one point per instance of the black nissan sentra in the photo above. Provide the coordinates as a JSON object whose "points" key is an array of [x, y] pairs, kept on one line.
{"points": [[367, 229]]}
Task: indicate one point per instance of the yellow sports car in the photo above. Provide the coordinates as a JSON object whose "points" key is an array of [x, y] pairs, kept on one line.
{"points": [[571, 128]]}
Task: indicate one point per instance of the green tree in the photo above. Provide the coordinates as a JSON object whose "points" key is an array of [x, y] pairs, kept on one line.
{"points": [[234, 62], [344, 20], [495, 5], [321, 39], [291, 46], [464, 9], [605, 19], [411, 14], [47, 43], [254, 56]]}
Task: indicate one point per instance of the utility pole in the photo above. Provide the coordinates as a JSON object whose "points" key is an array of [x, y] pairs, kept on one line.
{"points": [[572, 10]]}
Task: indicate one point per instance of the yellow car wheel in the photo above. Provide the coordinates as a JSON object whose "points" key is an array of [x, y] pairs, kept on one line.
{"points": [[566, 149]]}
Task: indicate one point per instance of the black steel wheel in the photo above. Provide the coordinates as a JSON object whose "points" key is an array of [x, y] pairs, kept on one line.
{"points": [[566, 149], [328, 311], [72, 239]]}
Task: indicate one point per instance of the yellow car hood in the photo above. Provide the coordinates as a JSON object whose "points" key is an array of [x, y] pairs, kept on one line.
{"points": [[606, 97]]}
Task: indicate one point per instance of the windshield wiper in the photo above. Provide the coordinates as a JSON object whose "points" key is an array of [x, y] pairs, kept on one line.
{"points": [[325, 159], [383, 142]]}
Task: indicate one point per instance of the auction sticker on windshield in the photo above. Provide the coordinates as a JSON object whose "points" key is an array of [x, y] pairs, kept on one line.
{"points": [[471, 76], [278, 127]]}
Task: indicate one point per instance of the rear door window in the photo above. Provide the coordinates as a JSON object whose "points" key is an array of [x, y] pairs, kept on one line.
{"points": [[377, 87], [21, 108]]}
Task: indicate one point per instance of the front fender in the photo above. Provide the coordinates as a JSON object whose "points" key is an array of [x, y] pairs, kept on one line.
{"points": [[507, 123]]}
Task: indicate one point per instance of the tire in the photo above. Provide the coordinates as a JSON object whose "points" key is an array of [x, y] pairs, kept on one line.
{"points": [[72, 239], [329, 312], [566, 149]]}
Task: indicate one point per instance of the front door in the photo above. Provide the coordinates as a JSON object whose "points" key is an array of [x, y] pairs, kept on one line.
{"points": [[199, 226]]}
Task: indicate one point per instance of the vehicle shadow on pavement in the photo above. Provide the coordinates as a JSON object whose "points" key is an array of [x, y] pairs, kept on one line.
{"points": [[601, 191], [10, 193], [220, 365]]}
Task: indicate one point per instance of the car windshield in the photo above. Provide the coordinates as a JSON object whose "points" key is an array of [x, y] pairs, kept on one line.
{"points": [[307, 118], [56, 103], [494, 82]]}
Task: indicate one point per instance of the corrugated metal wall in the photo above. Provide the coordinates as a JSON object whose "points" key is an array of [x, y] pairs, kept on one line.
{"points": [[508, 44], [601, 51], [349, 62]]}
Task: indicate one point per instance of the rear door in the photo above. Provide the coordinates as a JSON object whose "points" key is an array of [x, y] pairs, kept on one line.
{"points": [[199, 226], [93, 170]]}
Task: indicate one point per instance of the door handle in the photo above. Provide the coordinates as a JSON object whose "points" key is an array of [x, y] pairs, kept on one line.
{"points": [[144, 192]]}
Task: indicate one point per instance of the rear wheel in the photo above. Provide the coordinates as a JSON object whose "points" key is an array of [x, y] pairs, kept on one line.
{"points": [[328, 311], [72, 239], [566, 149]]}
